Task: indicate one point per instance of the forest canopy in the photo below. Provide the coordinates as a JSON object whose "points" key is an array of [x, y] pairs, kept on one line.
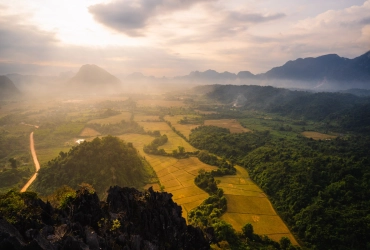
{"points": [[102, 163]]}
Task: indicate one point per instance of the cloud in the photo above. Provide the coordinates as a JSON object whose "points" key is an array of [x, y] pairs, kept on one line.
{"points": [[253, 17], [24, 42], [335, 31], [132, 17], [26, 49]]}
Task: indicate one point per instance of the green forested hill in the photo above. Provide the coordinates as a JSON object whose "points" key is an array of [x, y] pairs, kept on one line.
{"points": [[102, 163], [348, 112]]}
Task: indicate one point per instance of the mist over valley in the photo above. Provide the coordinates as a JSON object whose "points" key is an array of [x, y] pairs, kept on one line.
{"points": [[184, 125]]}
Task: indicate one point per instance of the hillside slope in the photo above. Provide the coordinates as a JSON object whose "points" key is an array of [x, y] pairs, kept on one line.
{"points": [[7, 88], [129, 219], [91, 79], [101, 162]]}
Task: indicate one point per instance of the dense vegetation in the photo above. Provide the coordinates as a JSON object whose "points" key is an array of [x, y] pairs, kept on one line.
{"points": [[15, 160], [346, 112], [224, 167], [320, 188], [101, 162], [221, 142], [152, 148], [207, 214]]}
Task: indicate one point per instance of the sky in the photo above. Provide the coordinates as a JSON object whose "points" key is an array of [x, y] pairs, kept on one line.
{"points": [[174, 37]]}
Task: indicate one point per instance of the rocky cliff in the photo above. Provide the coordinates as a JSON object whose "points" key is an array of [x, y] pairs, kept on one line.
{"points": [[129, 219]]}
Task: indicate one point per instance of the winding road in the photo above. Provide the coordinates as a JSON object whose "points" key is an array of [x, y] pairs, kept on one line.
{"points": [[35, 161]]}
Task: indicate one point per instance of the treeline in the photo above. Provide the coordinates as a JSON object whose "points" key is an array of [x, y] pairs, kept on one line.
{"points": [[123, 127], [221, 142], [102, 163], [175, 130], [224, 168], [207, 214], [152, 148], [192, 120]]}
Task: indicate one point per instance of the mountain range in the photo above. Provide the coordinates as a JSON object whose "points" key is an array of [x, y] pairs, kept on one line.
{"points": [[327, 72], [7, 88]]}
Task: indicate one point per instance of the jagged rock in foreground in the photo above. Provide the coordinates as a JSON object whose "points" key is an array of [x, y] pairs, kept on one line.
{"points": [[129, 219]]}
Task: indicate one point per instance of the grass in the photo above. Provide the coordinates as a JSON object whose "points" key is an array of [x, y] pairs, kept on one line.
{"points": [[46, 154], [184, 129], [113, 119], [231, 124], [318, 136]]}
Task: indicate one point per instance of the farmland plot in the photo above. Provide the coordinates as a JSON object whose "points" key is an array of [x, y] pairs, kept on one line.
{"points": [[231, 124], [176, 175], [184, 129], [318, 136], [246, 203], [174, 140]]}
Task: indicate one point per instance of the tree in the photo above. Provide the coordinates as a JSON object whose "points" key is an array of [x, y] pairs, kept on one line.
{"points": [[285, 243], [225, 232], [248, 230], [181, 150], [13, 162]]}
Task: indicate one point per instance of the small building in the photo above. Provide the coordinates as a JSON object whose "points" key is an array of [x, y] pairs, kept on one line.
{"points": [[79, 141]]}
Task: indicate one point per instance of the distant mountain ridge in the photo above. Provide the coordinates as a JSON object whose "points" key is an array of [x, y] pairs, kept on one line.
{"points": [[93, 79], [7, 88], [324, 73], [329, 67], [331, 70]]}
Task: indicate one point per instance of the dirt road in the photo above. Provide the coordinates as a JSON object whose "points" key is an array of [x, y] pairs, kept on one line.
{"points": [[35, 161]]}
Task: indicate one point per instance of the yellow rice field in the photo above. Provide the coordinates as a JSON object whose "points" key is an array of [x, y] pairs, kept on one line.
{"points": [[318, 136], [176, 175], [246, 203], [231, 124], [173, 139], [184, 129]]}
